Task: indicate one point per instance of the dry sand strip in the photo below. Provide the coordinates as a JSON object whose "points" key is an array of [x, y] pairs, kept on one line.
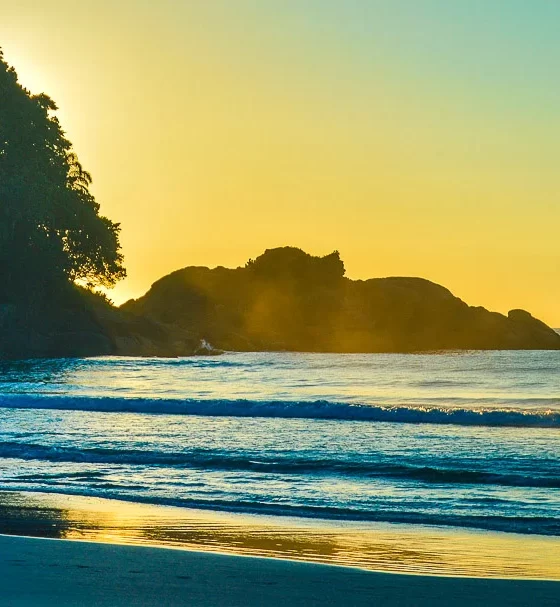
{"points": [[43, 572]]}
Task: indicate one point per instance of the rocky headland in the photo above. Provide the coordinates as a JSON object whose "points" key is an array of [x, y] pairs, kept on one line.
{"points": [[289, 300], [284, 300]]}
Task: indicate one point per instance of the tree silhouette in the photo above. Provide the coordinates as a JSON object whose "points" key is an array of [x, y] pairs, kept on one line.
{"points": [[50, 226], [294, 265]]}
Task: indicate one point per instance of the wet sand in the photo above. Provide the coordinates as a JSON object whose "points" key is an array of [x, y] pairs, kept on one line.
{"points": [[99, 569], [375, 546]]}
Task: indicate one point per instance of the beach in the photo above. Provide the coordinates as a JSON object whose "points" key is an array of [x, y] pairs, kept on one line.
{"points": [[39, 572], [91, 551], [389, 547], [300, 479]]}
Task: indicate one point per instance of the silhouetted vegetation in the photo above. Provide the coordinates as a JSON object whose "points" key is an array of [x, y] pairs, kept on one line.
{"points": [[292, 265], [52, 235], [50, 226]]}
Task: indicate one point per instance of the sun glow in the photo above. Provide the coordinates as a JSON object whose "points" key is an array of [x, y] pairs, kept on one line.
{"points": [[418, 142], [29, 73]]}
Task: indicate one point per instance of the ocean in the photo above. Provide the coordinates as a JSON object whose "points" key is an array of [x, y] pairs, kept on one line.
{"points": [[462, 439]]}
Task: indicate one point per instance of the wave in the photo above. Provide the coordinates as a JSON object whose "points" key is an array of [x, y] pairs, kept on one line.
{"points": [[213, 460], [321, 409]]}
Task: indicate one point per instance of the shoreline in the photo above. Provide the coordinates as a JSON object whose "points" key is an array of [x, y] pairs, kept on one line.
{"points": [[280, 559], [373, 547], [45, 572]]}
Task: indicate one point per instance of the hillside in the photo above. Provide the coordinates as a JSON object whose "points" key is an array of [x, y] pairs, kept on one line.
{"points": [[67, 321]]}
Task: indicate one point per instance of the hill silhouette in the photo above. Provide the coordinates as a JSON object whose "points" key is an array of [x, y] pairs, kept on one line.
{"points": [[286, 299], [53, 238]]}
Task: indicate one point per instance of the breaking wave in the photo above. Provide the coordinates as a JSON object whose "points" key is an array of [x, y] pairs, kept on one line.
{"points": [[320, 409]]}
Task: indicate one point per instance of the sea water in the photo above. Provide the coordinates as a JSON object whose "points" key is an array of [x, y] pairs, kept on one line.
{"points": [[467, 439]]}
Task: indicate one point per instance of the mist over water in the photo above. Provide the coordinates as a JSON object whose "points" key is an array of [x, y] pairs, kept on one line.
{"points": [[464, 439]]}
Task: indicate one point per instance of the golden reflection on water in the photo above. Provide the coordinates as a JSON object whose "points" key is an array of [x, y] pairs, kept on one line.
{"points": [[381, 547]]}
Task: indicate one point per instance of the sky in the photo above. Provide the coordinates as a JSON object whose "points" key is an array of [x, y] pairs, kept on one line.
{"points": [[417, 137]]}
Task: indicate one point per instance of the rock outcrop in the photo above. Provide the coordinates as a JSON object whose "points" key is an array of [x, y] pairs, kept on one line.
{"points": [[283, 300], [288, 300]]}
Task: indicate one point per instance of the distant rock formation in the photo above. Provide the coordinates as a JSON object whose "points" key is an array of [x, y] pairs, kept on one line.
{"points": [[289, 300], [284, 300]]}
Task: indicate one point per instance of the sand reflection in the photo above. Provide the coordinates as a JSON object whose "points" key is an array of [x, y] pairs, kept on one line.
{"points": [[384, 547]]}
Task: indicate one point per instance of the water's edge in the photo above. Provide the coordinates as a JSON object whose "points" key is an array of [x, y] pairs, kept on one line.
{"points": [[395, 548]]}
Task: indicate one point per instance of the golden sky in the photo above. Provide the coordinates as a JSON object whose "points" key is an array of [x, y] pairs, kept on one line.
{"points": [[417, 137]]}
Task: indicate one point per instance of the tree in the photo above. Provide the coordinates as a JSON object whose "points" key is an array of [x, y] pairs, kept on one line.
{"points": [[50, 226], [293, 264]]}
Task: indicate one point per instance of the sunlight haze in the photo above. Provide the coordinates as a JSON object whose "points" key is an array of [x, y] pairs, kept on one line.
{"points": [[418, 138]]}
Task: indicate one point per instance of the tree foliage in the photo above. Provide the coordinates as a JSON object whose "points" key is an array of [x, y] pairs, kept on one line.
{"points": [[294, 265], [50, 224]]}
